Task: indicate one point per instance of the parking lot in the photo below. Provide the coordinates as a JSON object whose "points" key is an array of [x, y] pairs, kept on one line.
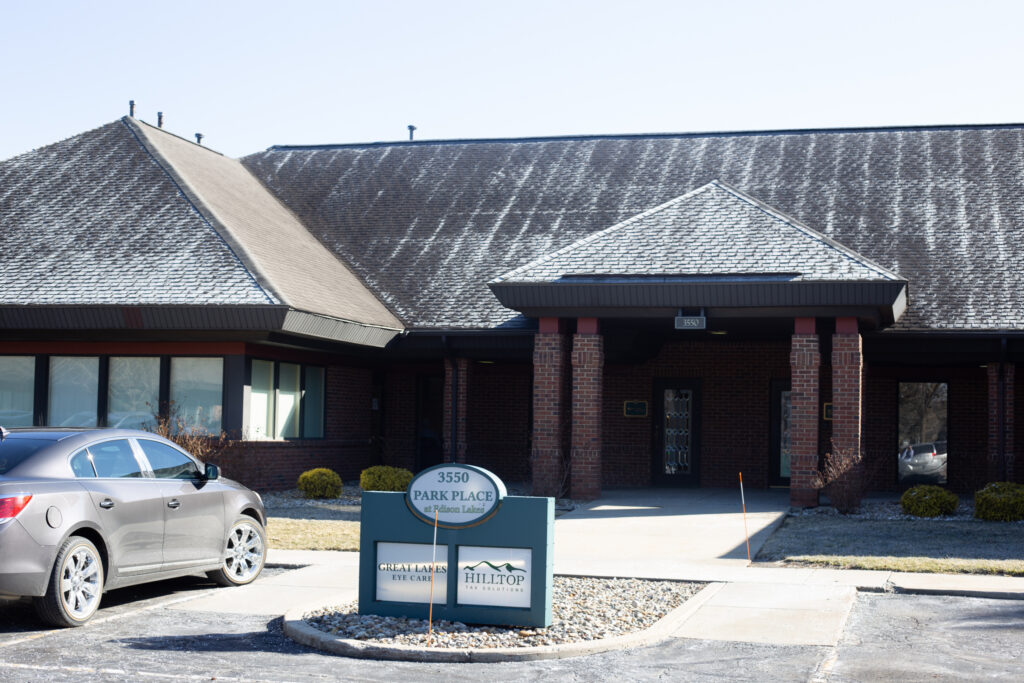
{"points": [[150, 633]]}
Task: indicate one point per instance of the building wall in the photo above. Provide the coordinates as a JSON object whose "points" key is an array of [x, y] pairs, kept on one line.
{"points": [[499, 419], [734, 412], [347, 446]]}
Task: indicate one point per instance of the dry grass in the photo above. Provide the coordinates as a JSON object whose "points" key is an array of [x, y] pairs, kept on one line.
{"points": [[312, 534], [955, 547]]}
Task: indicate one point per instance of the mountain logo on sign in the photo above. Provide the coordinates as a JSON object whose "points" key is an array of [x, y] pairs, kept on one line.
{"points": [[507, 567]]}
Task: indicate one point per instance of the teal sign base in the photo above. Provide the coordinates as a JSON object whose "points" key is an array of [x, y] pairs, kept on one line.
{"points": [[506, 559]]}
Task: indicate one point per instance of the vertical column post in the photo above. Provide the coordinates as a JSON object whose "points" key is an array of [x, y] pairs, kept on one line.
{"points": [[456, 394], [1001, 432], [587, 401], [805, 364], [847, 386], [548, 407]]}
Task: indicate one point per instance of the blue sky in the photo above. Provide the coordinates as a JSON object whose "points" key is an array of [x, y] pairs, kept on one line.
{"points": [[252, 74]]}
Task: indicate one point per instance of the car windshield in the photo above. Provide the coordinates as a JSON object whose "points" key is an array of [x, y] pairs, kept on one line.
{"points": [[13, 452]]}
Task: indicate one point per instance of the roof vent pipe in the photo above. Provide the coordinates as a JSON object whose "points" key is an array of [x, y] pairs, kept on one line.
{"points": [[411, 129], [131, 108], [159, 119], [199, 138]]}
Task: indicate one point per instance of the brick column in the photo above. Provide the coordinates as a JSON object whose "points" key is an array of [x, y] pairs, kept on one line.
{"points": [[1001, 460], [847, 386], [587, 399], [456, 380], [805, 363], [549, 408]]}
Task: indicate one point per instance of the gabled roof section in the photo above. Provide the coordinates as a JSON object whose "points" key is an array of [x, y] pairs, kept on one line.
{"points": [[715, 231], [94, 220], [282, 255], [712, 248]]}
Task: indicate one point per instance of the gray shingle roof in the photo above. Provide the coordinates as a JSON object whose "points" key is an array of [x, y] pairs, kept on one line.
{"points": [[713, 230], [426, 225], [95, 220]]}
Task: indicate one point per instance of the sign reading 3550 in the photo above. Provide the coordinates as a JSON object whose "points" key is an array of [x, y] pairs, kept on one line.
{"points": [[460, 495]]}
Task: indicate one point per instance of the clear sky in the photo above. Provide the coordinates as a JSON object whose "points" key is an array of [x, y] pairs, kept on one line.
{"points": [[256, 73]]}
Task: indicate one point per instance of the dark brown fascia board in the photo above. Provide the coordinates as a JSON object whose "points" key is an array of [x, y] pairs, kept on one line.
{"points": [[227, 318], [570, 299]]}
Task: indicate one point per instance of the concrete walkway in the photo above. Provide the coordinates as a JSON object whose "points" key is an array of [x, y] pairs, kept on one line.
{"points": [[694, 535]]}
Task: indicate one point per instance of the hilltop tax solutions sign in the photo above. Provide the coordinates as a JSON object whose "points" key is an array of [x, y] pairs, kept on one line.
{"points": [[499, 549]]}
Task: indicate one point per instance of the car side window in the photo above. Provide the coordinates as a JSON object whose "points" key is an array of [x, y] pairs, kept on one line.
{"points": [[168, 462], [81, 465], [115, 459]]}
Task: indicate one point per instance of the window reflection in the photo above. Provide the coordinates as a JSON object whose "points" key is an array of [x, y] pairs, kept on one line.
{"points": [[923, 428]]}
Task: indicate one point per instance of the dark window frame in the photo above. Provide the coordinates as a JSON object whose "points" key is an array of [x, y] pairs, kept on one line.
{"points": [[302, 397]]}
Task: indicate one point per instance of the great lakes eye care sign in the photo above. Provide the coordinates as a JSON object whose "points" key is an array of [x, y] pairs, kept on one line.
{"points": [[492, 563]]}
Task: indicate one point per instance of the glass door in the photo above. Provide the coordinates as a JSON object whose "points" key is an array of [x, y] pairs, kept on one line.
{"points": [[781, 419], [676, 443]]}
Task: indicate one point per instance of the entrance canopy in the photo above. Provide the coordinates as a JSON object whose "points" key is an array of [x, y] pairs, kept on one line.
{"points": [[716, 249]]}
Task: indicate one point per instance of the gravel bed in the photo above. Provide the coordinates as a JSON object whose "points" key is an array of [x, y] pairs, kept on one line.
{"points": [[350, 495], [583, 609], [889, 510]]}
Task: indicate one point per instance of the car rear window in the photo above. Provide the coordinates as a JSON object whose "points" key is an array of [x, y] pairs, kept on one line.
{"points": [[13, 452], [923, 448]]}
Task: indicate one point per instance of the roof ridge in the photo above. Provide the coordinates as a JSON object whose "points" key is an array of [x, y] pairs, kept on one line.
{"points": [[175, 135], [836, 130], [189, 194]]}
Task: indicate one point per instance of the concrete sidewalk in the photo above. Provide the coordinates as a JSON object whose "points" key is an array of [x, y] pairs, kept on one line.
{"points": [[693, 535]]}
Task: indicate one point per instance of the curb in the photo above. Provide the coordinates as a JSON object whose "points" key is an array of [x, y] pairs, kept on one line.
{"points": [[298, 630]]}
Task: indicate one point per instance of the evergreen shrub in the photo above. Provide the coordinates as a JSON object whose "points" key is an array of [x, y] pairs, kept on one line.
{"points": [[1000, 501], [385, 478], [928, 500], [320, 483]]}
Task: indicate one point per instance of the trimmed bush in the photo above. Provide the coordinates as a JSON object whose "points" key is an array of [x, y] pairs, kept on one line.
{"points": [[320, 483], [929, 501], [1000, 501], [384, 478]]}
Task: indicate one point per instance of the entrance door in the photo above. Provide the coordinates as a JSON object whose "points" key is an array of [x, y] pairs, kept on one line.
{"points": [[429, 421], [676, 432], [781, 417]]}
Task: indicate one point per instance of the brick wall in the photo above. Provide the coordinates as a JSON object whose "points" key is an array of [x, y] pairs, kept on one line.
{"points": [[550, 409], [587, 410], [498, 431], [805, 367], [398, 437], [734, 416], [346, 448]]}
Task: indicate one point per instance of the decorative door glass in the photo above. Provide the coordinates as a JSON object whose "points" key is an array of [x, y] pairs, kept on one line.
{"points": [[785, 411], [678, 441]]}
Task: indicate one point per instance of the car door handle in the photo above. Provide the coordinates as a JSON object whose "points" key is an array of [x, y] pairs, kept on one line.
{"points": [[174, 503], [107, 504]]}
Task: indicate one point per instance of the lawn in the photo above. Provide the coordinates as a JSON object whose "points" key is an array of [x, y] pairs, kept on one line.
{"points": [[944, 546], [312, 534]]}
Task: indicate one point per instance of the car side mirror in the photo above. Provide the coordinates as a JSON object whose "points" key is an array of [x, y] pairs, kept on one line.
{"points": [[212, 472]]}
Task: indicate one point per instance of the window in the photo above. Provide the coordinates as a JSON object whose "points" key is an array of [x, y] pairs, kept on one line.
{"points": [[115, 459], [133, 394], [81, 464], [286, 401], [74, 389], [17, 390], [197, 391], [923, 430], [168, 462]]}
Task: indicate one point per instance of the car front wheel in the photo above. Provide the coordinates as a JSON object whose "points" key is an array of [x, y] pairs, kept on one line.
{"points": [[76, 585], [245, 551]]}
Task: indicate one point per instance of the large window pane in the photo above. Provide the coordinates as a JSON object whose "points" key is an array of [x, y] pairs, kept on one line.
{"points": [[74, 389], [288, 392], [313, 404], [17, 390], [922, 432], [197, 392], [134, 392], [261, 401]]}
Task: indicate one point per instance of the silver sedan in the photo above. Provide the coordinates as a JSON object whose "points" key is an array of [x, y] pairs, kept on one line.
{"points": [[84, 511]]}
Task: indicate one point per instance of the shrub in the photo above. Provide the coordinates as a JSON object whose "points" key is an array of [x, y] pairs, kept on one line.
{"points": [[843, 480], [929, 501], [198, 442], [1000, 501], [320, 483], [384, 478]]}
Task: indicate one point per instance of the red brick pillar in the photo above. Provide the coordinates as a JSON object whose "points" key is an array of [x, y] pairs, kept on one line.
{"points": [[805, 363], [1001, 463], [847, 386], [587, 400], [456, 380], [549, 408]]}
